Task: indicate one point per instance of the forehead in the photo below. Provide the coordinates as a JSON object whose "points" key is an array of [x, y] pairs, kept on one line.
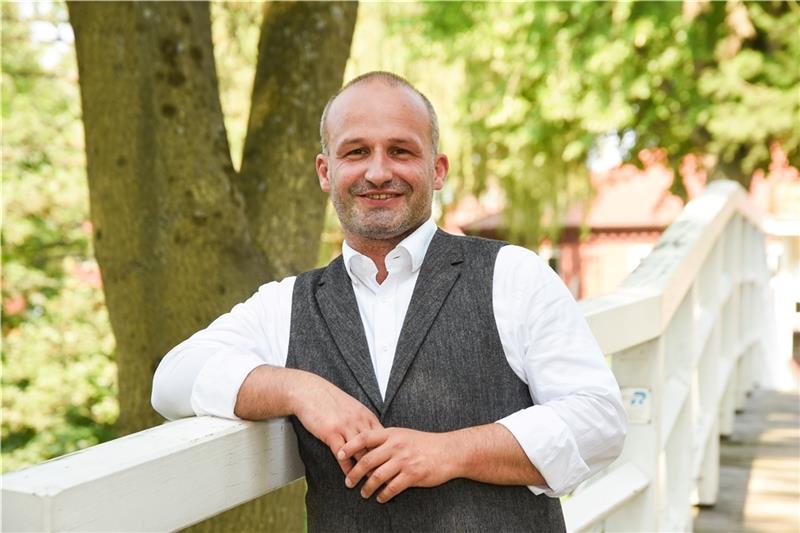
{"points": [[376, 108]]}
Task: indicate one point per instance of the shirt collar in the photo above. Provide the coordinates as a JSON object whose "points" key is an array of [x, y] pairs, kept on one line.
{"points": [[415, 245]]}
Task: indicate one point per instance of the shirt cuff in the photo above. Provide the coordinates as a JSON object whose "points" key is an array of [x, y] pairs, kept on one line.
{"points": [[550, 447], [217, 385]]}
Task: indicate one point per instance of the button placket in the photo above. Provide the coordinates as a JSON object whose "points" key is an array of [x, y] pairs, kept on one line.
{"points": [[384, 321]]}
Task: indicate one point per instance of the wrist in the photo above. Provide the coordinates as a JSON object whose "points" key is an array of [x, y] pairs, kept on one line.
{"points": [[455, 455], [294, 386]]}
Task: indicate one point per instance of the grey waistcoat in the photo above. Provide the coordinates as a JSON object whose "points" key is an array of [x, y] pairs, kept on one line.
{"points": [[449, 372]]}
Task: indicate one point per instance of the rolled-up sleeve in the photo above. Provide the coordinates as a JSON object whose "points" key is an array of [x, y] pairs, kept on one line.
{"points": [[577, 424], [203, 374]]}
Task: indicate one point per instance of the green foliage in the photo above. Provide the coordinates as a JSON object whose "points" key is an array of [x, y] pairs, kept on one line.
{"points": [[541, 82], [59, 376]]}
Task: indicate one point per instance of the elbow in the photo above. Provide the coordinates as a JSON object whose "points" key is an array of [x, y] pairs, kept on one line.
{"points": [[158, 404], [160, 400], [612, 432], [616, 437], [618, 440]]}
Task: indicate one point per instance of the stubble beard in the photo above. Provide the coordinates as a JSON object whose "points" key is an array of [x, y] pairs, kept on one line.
{"points": [[379, 223]]}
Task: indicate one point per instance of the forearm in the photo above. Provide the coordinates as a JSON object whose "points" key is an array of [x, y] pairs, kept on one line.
{"points": [[327, 412], [490, 454], [270, 392]]}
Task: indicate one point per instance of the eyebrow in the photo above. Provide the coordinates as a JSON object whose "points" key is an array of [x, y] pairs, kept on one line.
{"points": [[355, 140], [393, 140]]}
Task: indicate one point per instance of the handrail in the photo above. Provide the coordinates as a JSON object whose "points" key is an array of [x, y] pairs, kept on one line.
{"points": [[200, 466], [656, 287], [683, 327]]}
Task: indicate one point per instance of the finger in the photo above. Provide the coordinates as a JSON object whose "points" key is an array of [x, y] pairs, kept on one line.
{"points": [[354, 445], [371, 461], [346, 465], [335, 444], [365, 440], [347, 462], [386, 472], [397, 485]]}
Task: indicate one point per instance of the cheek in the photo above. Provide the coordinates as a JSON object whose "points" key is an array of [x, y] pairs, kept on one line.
{"points": [[346, 175]]}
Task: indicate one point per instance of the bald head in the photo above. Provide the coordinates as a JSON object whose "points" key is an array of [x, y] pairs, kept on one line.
{"points": [[391, 80]]}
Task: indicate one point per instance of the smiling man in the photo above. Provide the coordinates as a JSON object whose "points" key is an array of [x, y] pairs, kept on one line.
{"points": [[435, 382]]}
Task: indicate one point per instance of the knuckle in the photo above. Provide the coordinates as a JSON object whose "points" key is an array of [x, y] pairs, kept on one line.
{"points": [[367, 461], [390, 491], [355, 473], [377, 478], [370, 486]]}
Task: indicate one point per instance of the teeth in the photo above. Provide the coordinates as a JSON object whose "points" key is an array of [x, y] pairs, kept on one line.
{"points": [[379, 196]]}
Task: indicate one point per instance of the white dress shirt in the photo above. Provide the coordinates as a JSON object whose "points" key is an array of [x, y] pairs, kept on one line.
{"points": [[576, 427]]}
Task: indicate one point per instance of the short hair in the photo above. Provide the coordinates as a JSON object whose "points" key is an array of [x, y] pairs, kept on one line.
{"points": [[393, 80]]}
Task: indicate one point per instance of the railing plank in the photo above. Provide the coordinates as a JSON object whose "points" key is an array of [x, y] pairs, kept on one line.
{"points": [[604, 497], [639, 309], [160, 479]]}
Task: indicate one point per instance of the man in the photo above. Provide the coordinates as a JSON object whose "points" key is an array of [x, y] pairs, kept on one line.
{"points": [[435, 383]]}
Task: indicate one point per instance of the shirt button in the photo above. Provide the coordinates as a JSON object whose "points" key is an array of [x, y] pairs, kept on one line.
{"points": [[385, 348]]}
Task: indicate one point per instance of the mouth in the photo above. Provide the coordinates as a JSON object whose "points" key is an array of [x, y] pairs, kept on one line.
{"points": [[380, 196]]}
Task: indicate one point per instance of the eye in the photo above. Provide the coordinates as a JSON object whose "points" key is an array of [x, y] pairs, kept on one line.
{"points": [[356, 152], [400, 151]]}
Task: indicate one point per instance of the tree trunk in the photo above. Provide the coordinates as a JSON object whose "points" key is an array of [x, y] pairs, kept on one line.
{"points": [[171, 232], [292, 83]]}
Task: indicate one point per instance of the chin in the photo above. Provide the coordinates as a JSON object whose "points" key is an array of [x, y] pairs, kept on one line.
{"points": [[384, 230]]}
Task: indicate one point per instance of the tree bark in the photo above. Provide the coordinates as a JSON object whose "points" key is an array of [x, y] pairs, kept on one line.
{"points": [[172, 233], [293, 80]]}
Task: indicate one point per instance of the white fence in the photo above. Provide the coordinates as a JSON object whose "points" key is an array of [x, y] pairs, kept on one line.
{"points": [[682, 334]]}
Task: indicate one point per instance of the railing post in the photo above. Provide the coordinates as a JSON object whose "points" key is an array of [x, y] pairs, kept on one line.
{"points": [[748, 294], [677, 427], [707, 370], [732, 337], [640, 373], [762, 314]]}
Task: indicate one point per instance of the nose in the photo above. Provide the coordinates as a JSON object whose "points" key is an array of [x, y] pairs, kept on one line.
{"points": [[378, 171]]}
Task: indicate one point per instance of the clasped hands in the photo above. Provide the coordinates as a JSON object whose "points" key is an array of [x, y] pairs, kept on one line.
{"points": [[390, 459]]}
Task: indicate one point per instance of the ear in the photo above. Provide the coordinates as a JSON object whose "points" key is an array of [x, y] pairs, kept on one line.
{"points": [[441, 166], [322, 172]]}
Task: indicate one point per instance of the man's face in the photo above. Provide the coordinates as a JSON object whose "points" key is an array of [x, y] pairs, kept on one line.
{"points": [[380, 170]]}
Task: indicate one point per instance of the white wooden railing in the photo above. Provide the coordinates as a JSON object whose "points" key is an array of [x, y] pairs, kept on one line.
{"points": [[683, 334]]}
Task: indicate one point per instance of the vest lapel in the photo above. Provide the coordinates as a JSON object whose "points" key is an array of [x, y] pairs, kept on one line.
{"points": [[339, 308], [439, 271]]}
